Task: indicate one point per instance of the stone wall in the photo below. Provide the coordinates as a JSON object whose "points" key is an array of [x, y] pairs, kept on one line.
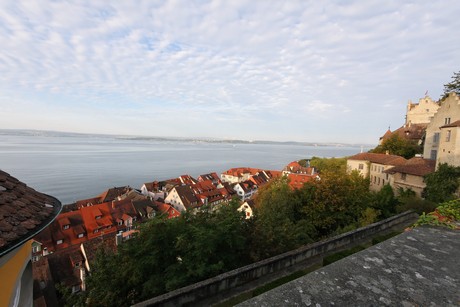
{"points": [[250, 277]]}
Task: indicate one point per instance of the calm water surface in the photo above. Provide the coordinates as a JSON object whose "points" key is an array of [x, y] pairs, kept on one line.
{"points": [[73, 168]]}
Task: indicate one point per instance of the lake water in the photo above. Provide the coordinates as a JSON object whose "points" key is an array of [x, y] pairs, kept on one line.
{"points": [[79, 167]]}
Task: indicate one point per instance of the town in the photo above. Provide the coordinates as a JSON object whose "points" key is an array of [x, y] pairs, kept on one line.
{"points": [[63, 252]]}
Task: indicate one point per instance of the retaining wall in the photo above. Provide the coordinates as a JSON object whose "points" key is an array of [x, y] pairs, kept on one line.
{"points": [[250, 277]]}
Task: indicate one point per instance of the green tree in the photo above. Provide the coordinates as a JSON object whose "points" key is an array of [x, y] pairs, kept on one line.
{"points": [[170, 253], [453, 86], [278, 222], [385, 201], [397, 145], [337, 165], [336, 201], [442, 184]]}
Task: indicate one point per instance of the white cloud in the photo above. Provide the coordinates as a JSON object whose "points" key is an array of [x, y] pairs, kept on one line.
{"points": [[227, 61]]}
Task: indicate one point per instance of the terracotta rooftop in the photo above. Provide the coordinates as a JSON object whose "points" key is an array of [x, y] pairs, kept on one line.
{"points": [[409, 132], [379, 158], [24, 212], [415, 166]]}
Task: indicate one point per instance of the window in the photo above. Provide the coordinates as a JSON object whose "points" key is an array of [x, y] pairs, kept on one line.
{"points": [[436, 137], [403, 177], [386, 176], [448, 135], [59, 242], [433, 154], [378, 182], [447, 121], [35, 258], [361, 166], [35, 249], [383, 181], [120, 223]]}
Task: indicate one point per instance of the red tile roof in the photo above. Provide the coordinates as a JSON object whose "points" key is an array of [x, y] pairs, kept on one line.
{"points": [[408, 132], [296, 181], [239, 171], [379, 158], [167, 209], [24, 212], [415, 166]]}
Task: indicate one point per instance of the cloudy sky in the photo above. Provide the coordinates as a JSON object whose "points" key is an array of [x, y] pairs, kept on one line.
{"points": [[332, 71]]}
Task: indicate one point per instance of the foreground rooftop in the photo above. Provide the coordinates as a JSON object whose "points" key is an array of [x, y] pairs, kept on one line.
{"points": [[417, 268]]}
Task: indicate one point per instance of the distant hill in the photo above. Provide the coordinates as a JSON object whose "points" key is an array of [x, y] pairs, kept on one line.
{"points": [[48, 133]]}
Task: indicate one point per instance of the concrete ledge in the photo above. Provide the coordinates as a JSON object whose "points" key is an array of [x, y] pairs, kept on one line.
{"points": [[417, 268], [250, 277]]}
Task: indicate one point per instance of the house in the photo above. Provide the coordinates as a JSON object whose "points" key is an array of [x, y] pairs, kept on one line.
{"points": [[98, 220], [187, 179], [245, 189], [248, 208], [410, 175], [167, 209], [154, 190], [296, 181], [418, 116], [106, 196], [295, 168], [238, 174], [442, 142], [213, 177], [123, 214], [182, 198], [24, 212], [372, 166], [421, 112]]}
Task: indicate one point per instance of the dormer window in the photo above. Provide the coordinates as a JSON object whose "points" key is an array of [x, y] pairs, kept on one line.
{"points": [[98, 217], [96, 231], [59, 242], [80, 235], [120, 222], [66, 227]]}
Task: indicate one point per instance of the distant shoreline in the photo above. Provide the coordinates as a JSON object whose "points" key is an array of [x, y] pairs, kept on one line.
{"points": [[50, 133]]}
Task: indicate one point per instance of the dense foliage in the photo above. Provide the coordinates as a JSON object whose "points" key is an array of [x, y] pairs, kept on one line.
{"points": [[338, 165], [169, 254], [446, 214], [442, 185], [399, 146]]}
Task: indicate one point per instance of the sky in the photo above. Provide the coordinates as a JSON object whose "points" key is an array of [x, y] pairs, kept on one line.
{"points": [[311, 71]]}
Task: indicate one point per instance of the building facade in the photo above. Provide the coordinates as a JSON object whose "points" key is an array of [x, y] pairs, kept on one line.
{"points": [[442, 134]]}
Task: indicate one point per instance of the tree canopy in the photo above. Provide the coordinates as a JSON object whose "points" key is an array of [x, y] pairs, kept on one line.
{"points": [[442, 184], [399, 146], [453, 86]]}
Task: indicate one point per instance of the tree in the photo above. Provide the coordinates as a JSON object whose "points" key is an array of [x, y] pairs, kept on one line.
{"points": [[453, 86], [397, 145], [336, 201], [278, 221], [329, 164], [442, 185], [170, 253], [385, 201]]}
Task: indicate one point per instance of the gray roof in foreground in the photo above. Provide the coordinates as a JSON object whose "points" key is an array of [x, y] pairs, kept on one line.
{"points": [[420, 267]]}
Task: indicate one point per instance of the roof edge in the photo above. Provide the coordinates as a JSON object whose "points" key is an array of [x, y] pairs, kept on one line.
{"points": [[57, 206]]}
